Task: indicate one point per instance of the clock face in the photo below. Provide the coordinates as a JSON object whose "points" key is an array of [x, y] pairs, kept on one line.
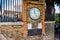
{"points": [[34, 13]]}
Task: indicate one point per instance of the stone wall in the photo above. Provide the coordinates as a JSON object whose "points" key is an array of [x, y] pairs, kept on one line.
{"points": [[15, 33], [49, 30]]}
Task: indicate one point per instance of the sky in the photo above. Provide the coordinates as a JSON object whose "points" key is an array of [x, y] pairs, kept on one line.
{"points": [[57, 8]]}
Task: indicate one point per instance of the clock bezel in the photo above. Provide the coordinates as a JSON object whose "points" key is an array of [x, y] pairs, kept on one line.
{"points": [[39, 11]]}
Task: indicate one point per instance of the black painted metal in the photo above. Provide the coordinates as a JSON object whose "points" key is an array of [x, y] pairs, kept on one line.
{"points": [[34, 32], [6, 18]]}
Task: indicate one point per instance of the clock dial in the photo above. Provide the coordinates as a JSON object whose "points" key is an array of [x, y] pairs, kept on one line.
{"points": [[34, 13]]}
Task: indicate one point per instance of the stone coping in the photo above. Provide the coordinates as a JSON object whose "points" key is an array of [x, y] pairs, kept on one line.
{"points": [[11, 23], [19, 23], [50, 22]]}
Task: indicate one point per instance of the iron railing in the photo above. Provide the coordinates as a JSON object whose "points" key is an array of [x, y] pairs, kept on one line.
{"points": [[10, 10]]}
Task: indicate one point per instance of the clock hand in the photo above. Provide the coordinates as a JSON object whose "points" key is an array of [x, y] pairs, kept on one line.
{"points": [[35, 13]]}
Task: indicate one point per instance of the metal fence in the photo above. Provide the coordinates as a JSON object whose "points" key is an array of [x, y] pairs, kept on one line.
{"points": [[10, 10]]}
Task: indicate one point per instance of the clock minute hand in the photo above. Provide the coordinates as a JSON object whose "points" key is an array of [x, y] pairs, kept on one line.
{"points": [[35, 13]]}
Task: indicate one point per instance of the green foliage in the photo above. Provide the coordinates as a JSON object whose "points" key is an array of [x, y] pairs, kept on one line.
{"points": [[57, 17]]}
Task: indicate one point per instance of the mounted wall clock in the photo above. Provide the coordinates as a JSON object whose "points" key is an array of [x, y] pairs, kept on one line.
{"points": [[34, 13]]}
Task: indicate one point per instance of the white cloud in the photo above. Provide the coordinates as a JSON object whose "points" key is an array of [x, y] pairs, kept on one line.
{"points": [[57, 9]]}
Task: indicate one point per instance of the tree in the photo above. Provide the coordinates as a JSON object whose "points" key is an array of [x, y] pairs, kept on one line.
{"points": [[50, 10]]}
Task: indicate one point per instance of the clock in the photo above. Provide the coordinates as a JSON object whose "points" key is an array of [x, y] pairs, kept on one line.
{"points": [[34, 13]]}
